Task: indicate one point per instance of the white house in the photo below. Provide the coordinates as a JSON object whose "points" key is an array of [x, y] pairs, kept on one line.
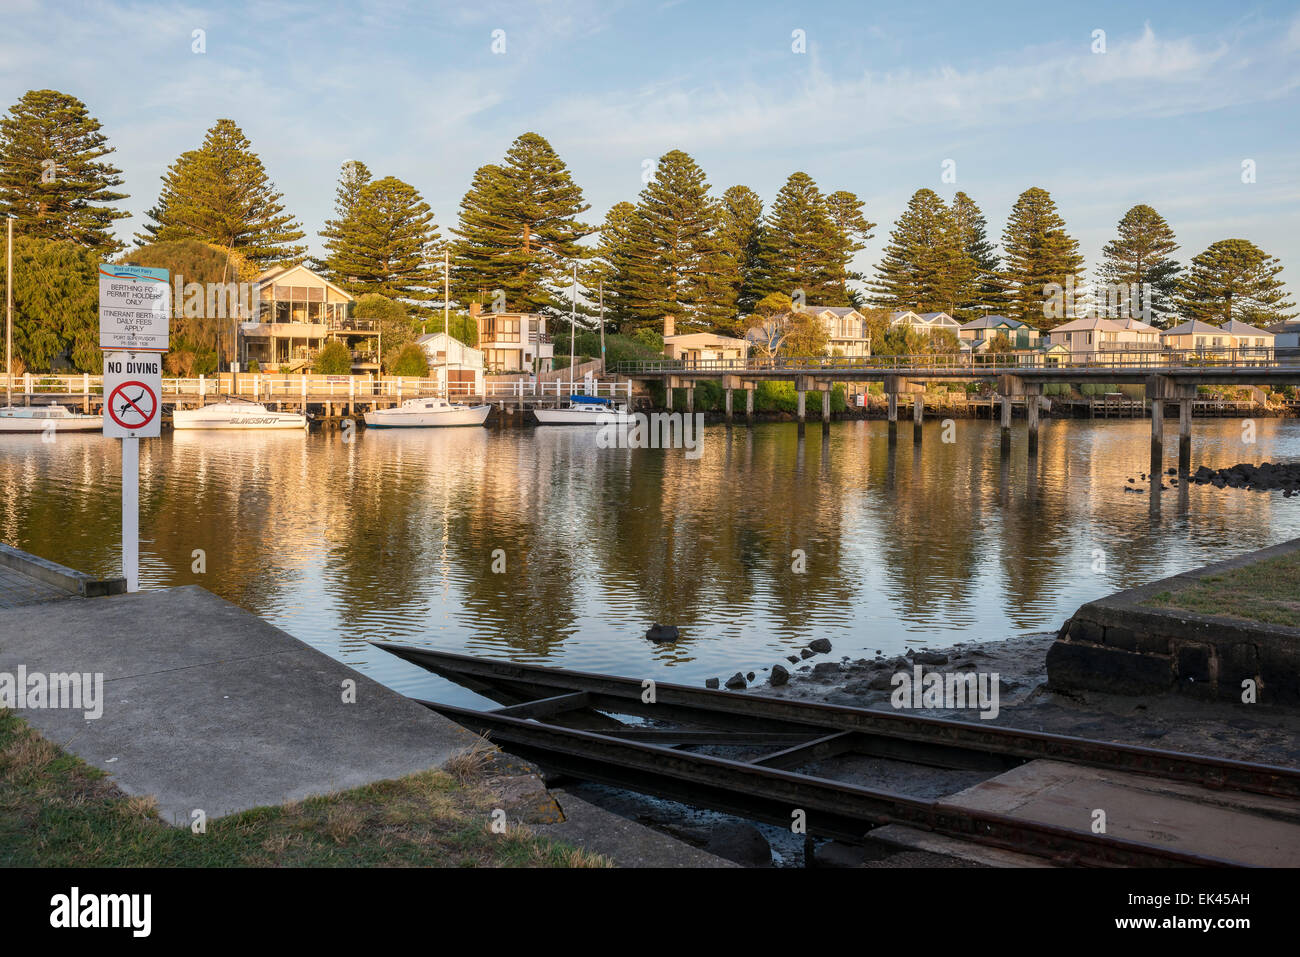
{"points": [[513, 341], [1197, 336], [926, 322], [846, 329], [1093, 338], [464, 365], [979, 332]]}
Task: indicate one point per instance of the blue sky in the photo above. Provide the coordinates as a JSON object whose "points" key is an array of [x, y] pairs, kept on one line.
{"points": [[1012, 93]]}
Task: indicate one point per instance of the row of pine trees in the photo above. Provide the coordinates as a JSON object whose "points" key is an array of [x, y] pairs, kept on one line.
{"points": [[681, 248]]}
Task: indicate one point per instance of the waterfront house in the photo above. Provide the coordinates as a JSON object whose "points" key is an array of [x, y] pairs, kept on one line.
{"points": [[1094, 338], [705, 347], [298, 313], [979, 333], [1286, 338], [464, 365], [926, 322], [513, 341], [845, 327], [1197, 336]]}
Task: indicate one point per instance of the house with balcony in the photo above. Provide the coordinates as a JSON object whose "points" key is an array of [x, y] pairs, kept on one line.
{"points": [[926, 323], [513, 341], [1233, 337], [298, 312], [1095, 339], [845, 327]]}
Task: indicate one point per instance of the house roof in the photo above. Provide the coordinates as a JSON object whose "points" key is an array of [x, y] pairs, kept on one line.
{"points": [[1239, 328], [838, 311], [435, 339], [1087, 324], [1135, 325], [899, 315], [933, 317], [992, 322], [690, 338], [1192, 326], [1289, 325], [278, 274]]}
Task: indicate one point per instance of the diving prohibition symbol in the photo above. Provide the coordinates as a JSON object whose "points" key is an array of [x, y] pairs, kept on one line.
{"points": [[132, 405]]}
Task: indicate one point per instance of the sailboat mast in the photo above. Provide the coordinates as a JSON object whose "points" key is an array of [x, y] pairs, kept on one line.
{"points": [[573, 312], [446, 324], [9, 310]]}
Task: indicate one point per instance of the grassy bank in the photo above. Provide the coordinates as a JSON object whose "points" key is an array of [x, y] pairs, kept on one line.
{"points": [[56, 811], [1267, 592]]}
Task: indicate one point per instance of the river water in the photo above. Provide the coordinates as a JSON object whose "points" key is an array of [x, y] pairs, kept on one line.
{"points": [[394, 535]]}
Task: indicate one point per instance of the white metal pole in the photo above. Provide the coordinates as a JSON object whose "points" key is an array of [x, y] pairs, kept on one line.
{"points": [[573, 313], [446, 323], [602, 328], [131, 512], [9, 310]]}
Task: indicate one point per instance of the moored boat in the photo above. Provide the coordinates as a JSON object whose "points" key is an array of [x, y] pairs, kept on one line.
{"points": [[41, 418], [427, 413], [584, 410], [237, 414]]}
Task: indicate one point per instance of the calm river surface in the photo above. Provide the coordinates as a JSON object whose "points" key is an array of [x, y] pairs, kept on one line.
{"points": [[392, 535]]}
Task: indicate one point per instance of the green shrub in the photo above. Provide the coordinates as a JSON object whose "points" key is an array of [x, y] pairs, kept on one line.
{"points": [[333, 359], [411, 361]]}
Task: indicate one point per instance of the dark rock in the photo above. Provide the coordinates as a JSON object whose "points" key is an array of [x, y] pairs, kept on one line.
{"points": [[793, 659], [821, 645], [881, 681], [929, 658], [741, 843], [749, 676], [710, 682], [662, 633], [736, 681], [826, 668], [779, 676], [805, 653], [836, 854]]}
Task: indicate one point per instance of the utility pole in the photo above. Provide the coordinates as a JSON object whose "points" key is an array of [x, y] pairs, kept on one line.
{"points": [[573, 321], [9, 310], [446, 325]]}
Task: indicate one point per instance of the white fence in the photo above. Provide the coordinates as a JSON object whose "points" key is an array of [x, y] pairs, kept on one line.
{"points": [[320, 388]]}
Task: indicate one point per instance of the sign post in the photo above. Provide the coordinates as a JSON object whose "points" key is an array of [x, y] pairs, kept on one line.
{"points": [[134, 310]]}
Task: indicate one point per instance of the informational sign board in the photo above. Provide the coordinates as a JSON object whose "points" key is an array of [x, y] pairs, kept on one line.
{"points": [[134, 308], [132, 394]]}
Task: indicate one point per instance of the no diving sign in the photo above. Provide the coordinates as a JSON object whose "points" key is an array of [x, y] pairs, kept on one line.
{"points": [[132, 394]]}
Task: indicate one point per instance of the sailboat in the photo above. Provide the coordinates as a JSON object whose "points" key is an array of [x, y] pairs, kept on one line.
{"points": [[235, 413], [584, 410], [432, 412], [42, 418]]}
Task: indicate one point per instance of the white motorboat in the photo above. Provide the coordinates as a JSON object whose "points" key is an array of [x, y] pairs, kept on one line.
{"points": [[427, 413], [237, 414], [584, 410], [40, 418]]}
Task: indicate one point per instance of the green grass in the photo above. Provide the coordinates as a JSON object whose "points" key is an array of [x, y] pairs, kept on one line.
{"points": [[1267, 592], [57, 811]]}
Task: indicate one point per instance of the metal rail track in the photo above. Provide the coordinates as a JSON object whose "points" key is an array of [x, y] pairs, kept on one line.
{"points": [[561, 719]]}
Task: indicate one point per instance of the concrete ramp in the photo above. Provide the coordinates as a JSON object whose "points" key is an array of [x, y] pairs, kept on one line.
{"points": [[1246, 829], [206, 706]]}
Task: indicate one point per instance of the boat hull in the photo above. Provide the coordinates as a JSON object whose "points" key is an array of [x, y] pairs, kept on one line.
{"points": [[580, 417], [16, 424], [451, 418], [183, 419]]}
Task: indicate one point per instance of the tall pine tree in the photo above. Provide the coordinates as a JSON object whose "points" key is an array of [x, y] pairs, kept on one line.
{"points": [[519, 231], [1235, 279], [803, 247], [353, 176], [852, 230], [742, 236], [53, 173], [605, 276], [921, 265], [1140, 257], [977, 290], [678, 263], [220, 193], [388, 245], [1039, 255]]}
